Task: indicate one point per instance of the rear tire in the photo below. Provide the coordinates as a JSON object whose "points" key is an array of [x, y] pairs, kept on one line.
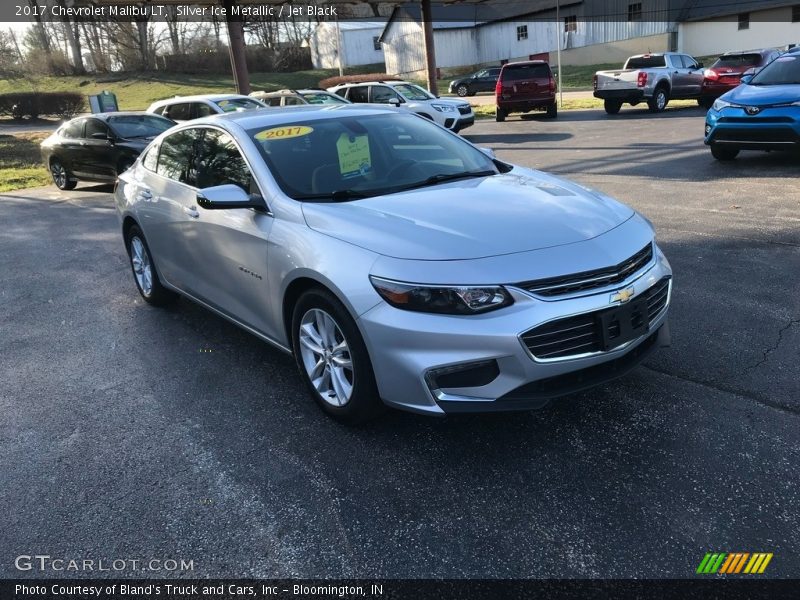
{"points": [[552, 111], [61, 177], [144, 270], [612, 106], [658, 103], [499, 115], [333, 359], [724, 153]]}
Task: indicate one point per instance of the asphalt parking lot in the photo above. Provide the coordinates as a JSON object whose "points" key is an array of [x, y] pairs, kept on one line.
{"points": [[137, 433]]}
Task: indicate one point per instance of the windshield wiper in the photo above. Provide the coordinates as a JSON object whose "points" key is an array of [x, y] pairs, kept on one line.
{"points": [[443, 177], [337, 196]]}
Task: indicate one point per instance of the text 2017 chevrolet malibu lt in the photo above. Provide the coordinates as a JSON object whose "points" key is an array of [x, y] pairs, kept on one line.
{"points": [[397, 262]]}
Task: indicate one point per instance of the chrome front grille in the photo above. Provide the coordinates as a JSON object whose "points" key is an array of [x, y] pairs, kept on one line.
{"points": [[588, 280], [583, 334]]}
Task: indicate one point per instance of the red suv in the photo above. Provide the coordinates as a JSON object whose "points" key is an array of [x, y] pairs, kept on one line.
{"points": [[523, 87], [726, 73]]}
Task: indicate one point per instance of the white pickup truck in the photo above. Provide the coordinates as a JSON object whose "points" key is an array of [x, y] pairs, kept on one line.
{"points": [[651, 78]]}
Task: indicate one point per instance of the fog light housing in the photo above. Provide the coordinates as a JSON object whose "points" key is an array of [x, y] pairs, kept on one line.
{"points": [[471, 374], [708, 129]]}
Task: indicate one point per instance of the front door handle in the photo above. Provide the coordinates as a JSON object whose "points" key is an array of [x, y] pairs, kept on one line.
{"points": [[146, 195], [191, 211]]}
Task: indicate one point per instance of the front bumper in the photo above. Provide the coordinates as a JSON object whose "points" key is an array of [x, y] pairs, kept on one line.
{"points": [[408, 349], [773, 128]]}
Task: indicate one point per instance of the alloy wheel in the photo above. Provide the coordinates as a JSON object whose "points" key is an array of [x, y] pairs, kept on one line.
{"points": [[142, 269], [326, 357], [59, 174]]}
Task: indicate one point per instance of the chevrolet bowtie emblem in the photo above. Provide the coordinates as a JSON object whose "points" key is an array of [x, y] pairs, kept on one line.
{"points": [[622, 296]]}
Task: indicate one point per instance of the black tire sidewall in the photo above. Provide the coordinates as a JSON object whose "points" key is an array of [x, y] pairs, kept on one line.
{"points": [[159, 295], [364, 401], [69, 184]]}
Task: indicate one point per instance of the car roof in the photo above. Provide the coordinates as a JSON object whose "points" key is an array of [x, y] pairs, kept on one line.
{"points": [[290, 114], [120, 113], [757, 51], [374, 82], [526, 62], [199, 97]]}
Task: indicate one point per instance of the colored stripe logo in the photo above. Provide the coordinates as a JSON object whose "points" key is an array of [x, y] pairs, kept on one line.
{"points": [[730, 563]]}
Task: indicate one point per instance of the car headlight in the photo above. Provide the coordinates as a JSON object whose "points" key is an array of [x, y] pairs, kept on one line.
{"points": [[719, 104], [444, 107], [450, 299]]}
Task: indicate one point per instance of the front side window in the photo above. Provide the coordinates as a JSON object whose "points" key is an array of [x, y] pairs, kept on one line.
{"points": [[382, 94], [522, 32], [364, 156], [94, 126], [175, 155], [234, 104], [201, 109], [219, 162], [139, 126], [688, 62], [413, 92]]}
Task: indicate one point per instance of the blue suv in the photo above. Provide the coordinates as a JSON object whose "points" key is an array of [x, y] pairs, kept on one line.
{"points": [[761, 114]]}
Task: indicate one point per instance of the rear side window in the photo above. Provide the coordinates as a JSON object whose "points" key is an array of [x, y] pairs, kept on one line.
{"points": [[293, 101], [175, 155], [179, 112], [523, 72], [159, 110], [646, 62], [358, 94]]}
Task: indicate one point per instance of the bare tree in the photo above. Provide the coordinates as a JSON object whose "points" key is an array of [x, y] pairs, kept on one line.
{"points": [[44, 40], [72, 36]]}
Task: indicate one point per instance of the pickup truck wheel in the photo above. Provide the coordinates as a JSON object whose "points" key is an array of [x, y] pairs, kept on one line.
{"points": [[612, 106], [724, 153], [659, 100], [499, 115], [552, 111]]}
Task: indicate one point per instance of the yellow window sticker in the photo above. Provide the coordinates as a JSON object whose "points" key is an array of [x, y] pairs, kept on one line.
{"points": [[354, 156], [283, 133]]}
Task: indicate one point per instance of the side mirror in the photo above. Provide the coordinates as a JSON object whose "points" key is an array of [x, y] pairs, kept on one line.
{"points": [[488, 152], [222, 197], [394, 101], [746, 79]]}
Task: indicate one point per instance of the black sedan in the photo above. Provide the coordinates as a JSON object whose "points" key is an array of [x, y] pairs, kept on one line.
{"points": [[484, 80], [99, 147]]}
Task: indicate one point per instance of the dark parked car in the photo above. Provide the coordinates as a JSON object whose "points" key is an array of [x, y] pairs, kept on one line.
{"points": [[99, 147], [484, 80], [523, 87], [726, 72]]}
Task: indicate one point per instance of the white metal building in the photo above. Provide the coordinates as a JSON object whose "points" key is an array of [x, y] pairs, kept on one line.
{"points": [[588, 31], [359, 44]]}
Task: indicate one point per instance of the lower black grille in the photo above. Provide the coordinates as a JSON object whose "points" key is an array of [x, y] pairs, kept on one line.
{"points": [[761, 134], [591, 332], [464, 110], [587, 280]]}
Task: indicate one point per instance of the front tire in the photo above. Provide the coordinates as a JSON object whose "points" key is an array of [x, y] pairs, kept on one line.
{"points": [[612, 106], [499, 115], [333, 359], [724, 153], [462, 90], [144, 270], [658, 103], [61, 177]]}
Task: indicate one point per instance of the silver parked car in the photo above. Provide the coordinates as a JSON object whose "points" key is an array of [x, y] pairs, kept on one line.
{"points": [[395, 260]]}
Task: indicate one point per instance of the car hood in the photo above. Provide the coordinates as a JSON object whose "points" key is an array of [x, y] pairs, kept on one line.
{"points": [[448, 102], [763, 95], [503, 214]]}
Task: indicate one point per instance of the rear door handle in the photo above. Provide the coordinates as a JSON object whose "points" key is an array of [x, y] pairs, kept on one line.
{"points": [[191, 211]]}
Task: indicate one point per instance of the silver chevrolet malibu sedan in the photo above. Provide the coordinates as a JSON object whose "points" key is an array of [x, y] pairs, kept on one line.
{"points": [[398, 263]]}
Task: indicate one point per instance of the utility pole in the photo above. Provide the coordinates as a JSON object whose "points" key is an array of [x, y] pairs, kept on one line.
{"points": [[558, 54], [236, 47], [339, 46], [430, 53]]}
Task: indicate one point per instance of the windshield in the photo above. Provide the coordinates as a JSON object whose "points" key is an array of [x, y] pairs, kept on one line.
{"points": [[233, 104], [413, 92], [646, 62], [737, 61], [360, 156], [322, 98], [784, 70], [139, 126]]}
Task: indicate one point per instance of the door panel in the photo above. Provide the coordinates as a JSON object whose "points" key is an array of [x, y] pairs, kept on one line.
{"points": [[99, 155]]}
